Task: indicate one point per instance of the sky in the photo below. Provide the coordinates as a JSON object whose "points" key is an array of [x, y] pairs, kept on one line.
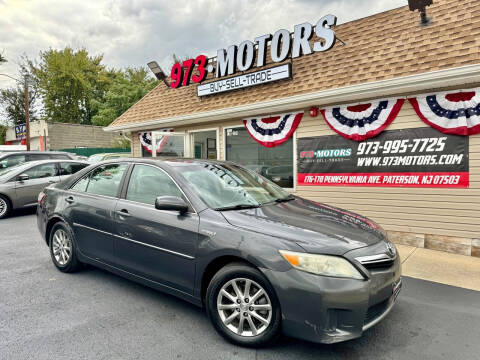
{"points": [[134, 32]]}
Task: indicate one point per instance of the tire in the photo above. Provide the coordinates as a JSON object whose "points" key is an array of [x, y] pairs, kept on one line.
{"points": [[252, 310], [63, 248], [5, 207]]}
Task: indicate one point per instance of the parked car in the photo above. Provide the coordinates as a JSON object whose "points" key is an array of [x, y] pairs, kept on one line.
{"points": [[21, 184], [106, 156], [19, 157], [218, 235]]}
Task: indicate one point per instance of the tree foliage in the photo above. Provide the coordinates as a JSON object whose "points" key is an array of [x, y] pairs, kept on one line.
{"points": [[12, 100], [3, 134], [128, 86], [69, 81]]}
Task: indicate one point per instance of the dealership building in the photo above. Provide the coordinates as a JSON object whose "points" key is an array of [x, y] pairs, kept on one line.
{"points": [[380, 116]]}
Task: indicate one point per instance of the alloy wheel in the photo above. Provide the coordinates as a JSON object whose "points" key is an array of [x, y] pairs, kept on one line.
{"points": [[62, 247], [244, 307], [3, 207]]}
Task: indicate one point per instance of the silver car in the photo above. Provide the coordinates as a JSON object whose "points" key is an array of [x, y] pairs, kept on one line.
{"points": [[21, 184]]}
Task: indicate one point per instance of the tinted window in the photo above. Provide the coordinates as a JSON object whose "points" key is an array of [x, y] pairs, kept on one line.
{"points": [[34, 157], [61, 156], [147, 183], [41, 171], [274, 163], [70, 168], [105, 180], [12, 160]]}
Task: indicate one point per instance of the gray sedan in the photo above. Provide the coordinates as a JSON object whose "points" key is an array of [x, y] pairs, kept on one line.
{"points": [[21, 184], [260, 260]]}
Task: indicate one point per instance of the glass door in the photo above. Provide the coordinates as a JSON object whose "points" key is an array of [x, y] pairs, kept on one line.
{"points": [[204, 144]]}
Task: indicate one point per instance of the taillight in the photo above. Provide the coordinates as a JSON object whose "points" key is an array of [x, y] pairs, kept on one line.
{"points": [[41, 197]]}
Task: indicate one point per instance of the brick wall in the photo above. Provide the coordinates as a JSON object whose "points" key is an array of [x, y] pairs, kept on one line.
{"points": [[64, 136]]}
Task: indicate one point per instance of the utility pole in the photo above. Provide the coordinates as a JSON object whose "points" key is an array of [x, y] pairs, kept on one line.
{"points": [[27, 115]]}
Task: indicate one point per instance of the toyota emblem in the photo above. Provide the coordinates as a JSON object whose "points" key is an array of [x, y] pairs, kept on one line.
{"points": [[391, 249]]}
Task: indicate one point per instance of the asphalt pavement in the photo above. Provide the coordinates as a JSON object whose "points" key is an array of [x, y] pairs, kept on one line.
{"points": [[45, 314]]}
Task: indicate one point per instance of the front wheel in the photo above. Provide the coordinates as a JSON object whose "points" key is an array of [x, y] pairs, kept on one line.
{"points": [[243, 307], [5, 207], [62, 248]]}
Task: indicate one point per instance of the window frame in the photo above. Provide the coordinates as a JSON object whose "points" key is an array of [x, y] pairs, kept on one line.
{"points": [[294, 149], [123, 195], [89, 174], [191, 136]]}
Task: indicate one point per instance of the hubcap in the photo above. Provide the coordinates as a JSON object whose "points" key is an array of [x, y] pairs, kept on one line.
{"points": [[3, 207], [62, 247], [244, 307]]}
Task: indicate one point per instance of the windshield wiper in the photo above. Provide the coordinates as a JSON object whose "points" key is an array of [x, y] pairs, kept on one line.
{"points": [[285, 199], [237, 207]]}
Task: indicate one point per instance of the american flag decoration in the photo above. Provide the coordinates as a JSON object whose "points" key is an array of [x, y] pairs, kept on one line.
{"points": [[274, 130], [455, 112], [362, 121], [146, 140]]}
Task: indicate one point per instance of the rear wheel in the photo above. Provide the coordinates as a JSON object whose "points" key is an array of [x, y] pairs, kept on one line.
{"points": [[5, 207], [243, 307], [62, 248]]}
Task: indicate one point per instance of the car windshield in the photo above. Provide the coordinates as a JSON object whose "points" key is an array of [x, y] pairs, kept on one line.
{"points": [[95, 158], [229, 186]]}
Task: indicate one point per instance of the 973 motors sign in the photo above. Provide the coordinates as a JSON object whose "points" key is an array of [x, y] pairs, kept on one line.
{"points": [[420, 157], [248, 54]]}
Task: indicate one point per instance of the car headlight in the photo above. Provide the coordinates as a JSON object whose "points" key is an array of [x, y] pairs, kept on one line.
{"points": [[326, 265]]}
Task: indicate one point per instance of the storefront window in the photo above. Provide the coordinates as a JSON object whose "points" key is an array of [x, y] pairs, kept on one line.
{"points": [[205, 144], [169, 145], [274, 163]]}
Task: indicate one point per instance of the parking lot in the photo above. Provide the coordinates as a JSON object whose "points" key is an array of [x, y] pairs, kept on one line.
{"points": [[45, 314]]}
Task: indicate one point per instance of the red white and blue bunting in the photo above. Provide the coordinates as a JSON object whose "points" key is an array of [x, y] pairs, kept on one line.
{"points": [[146, 140], [450, 112], [273, 130], [362, 121]]}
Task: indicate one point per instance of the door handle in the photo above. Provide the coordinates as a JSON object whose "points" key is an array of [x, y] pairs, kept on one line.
{"points": [[69, 199], [123, 213]]}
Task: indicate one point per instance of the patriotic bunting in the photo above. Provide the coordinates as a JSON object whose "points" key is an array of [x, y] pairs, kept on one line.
{"points": [[146, 140], [362, 121], [455, 112], [274, 130]]}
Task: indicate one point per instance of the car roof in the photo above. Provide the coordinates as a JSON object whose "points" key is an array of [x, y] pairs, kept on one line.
{"points": [[168, 161]]}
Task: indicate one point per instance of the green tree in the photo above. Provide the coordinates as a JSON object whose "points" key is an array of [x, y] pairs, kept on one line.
{"points": [[129, 86], [69, 80], [12, 100], [3, 134]]}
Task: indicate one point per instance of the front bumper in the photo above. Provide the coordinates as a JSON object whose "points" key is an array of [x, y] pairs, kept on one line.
{"points": [[329, 310]]}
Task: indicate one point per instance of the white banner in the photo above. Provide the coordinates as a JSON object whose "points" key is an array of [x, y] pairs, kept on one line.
{"points": [[246, 80]]}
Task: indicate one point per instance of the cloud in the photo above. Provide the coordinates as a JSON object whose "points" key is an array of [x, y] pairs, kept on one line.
{"points": [[133, 32]]}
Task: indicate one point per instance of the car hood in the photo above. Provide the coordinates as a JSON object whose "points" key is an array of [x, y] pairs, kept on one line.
{"points": [[316, 227]]}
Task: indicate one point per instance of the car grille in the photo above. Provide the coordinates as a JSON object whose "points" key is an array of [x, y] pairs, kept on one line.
{"points": [[376, 262], [376, 310]]}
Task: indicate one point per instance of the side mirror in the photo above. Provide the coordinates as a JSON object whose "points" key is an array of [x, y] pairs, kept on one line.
{"points": [[171, 203], [23, 177]]}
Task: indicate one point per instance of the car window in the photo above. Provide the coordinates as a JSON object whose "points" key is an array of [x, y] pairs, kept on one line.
{"points": [[35, 157], [81, 185], [12, 160], [147, 183], [105, 180], [68, 168], [41, 171], [61, 156]]}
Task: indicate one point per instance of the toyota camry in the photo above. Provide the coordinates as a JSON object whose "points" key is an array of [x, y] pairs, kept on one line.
{"points": [[259, 260]]}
